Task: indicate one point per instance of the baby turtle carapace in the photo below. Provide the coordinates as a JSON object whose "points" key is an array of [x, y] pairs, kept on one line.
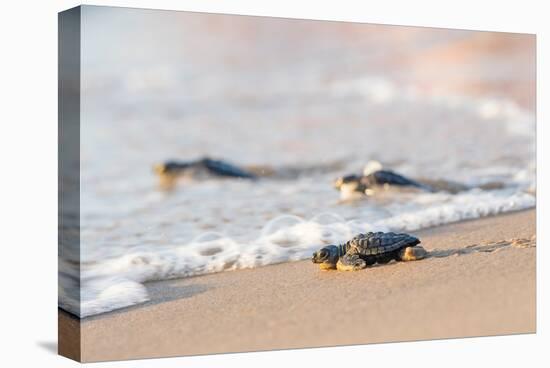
{"points": [[367, 249]]}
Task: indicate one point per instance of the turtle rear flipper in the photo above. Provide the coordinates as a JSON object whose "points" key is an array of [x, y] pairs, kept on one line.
{"points": [[411, 254], [350, 262]]}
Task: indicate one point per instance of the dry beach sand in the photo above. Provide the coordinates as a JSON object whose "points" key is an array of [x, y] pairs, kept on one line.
{"points": [[478, 281]]}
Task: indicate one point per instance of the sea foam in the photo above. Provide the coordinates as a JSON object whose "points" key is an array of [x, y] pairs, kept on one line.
{"points": [[118, 282]]}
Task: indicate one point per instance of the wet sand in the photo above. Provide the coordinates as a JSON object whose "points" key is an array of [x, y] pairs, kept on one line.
{"points": [[478, 281]]}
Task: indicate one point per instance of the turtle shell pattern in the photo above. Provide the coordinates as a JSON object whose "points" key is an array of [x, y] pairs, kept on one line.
{"points": [[379, 243]]}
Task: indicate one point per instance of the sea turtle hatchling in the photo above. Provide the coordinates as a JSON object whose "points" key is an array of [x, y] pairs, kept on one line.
{"points": [[367, 249], [352, 185], [202, 168]]}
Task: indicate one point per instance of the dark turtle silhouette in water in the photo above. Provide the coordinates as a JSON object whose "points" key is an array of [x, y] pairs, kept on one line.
{"points": [[374, 177], [201, 168], [206, 168], [367, 249], [363, 183]]}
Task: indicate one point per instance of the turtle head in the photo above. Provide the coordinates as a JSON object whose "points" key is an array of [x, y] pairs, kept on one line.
{"points": [[171, 167], [160, 169], [347, 180], [327, 255]]}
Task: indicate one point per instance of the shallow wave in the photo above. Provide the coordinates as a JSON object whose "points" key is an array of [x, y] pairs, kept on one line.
{"points": [[118, 282]]}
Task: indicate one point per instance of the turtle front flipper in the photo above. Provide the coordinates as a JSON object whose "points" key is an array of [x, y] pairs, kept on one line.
{"points": [[350, 262], [413, 253]]}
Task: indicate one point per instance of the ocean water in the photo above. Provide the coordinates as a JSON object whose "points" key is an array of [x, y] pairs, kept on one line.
{"points": [[266, 99]]}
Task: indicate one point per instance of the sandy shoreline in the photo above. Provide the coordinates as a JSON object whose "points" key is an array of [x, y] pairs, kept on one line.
{"points": [[476, 283]]}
